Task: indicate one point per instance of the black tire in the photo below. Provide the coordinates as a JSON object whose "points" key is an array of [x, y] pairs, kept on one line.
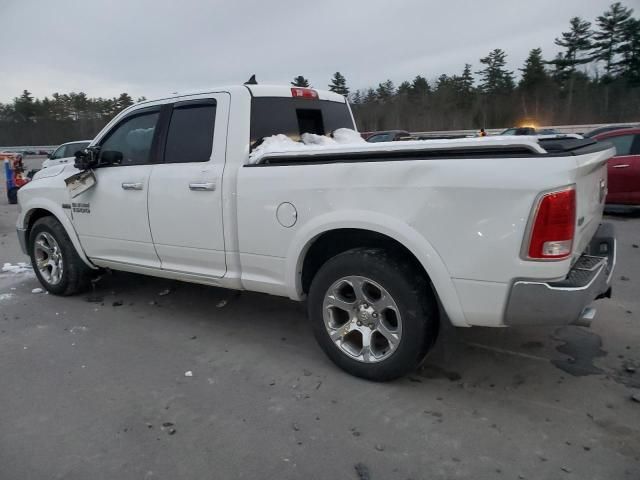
{"points": [[409, 290], [76, 275], [12, 195]]}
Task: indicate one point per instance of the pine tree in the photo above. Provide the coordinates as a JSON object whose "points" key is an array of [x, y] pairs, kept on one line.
{"points": [[533, 71], [300, 81], [124, 101], [466, 80], [533, 81], [420, 87], [385, 90], [339, 84], [576, 42], [404, 88], [610, 36], [629, 65], [370, 96], [24, 106], [356, 98], [496, 79]]}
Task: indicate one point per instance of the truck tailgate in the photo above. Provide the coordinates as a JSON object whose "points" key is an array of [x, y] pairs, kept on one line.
{"points": [[591, 191]]}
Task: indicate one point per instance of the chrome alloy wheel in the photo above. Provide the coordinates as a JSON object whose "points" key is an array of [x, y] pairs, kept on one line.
{"points": [[362, 319], [48, 256]]}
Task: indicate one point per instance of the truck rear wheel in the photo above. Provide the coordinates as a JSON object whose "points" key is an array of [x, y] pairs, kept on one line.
{"points": [[373, 314], [55, 261]]}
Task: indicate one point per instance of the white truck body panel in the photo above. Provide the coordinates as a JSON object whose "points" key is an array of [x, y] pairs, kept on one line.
{"points": [[464, 219]]}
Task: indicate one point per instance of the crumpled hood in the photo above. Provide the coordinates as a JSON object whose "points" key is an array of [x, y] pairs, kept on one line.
{"points": [[53, 171]]}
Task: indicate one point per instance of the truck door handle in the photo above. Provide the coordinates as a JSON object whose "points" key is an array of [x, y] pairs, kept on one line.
{"points": [[202, 186], [132, 186], [624, 165]]}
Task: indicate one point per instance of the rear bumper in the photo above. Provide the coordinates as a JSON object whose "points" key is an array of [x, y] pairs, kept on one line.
{"points": [[532, 302], [22, 239], [621, 208]]}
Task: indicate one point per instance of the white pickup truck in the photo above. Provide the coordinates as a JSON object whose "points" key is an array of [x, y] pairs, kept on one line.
{"points": [[384, 241]]}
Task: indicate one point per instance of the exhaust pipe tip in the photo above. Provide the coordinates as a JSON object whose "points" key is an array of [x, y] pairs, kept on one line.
{"points": [[585, 318]]}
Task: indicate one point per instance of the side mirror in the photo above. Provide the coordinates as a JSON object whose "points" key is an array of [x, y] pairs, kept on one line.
{"points": [[110, 157], [49, 155], [86, 159]]}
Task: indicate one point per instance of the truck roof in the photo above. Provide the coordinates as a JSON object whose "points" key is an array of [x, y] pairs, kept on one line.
{"points": [[286, 91]]}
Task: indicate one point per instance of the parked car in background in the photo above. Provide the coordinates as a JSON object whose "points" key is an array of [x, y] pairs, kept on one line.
{"points": [[608, 128], [388, 136], [529, 131], [65, 153], [623, 169]]}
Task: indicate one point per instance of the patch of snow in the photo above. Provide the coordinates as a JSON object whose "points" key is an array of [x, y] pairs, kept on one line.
{"points": [[347, 136], [20, 267], [37, 290], [349, 141], [282, 143], [313, 139], [5, 296], [221, 303], [188, 373]]}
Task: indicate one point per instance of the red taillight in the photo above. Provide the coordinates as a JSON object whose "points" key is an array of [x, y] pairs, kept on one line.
{"points": [[553, 226], [297, 92]]}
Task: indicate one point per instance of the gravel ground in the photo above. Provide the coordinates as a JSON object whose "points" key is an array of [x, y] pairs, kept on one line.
{"points": [[96, 386]]}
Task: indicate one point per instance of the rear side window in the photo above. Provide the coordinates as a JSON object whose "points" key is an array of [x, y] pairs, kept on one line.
{"points": [[190, 136], [295, 116], [622, 143]]}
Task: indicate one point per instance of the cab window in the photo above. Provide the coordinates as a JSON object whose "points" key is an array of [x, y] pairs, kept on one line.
{"points": [[190, 136], [129, 143], [295, 116]]}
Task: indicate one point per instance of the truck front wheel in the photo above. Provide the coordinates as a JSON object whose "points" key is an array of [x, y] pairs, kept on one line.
{"points": [[55, 261], [373, 313]]}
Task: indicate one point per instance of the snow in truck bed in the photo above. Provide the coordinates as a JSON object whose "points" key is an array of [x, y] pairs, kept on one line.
{"points": [[350, 141]]}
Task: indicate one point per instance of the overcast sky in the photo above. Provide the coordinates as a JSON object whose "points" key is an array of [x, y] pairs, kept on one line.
{"points": [[152, 47]]}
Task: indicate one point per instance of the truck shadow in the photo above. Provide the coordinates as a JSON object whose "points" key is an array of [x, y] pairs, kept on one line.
{"points": [[489, 357]]}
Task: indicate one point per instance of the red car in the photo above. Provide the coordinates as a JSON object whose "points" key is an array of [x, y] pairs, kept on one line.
{"points": [[624, 169]]}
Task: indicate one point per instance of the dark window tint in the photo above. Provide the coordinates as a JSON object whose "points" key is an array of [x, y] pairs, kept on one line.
{"points": [[622, 143], [383, 137], [310, 121], [131, 139], [190, 136], [295, 116], [72, 148], [635, 148]]}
